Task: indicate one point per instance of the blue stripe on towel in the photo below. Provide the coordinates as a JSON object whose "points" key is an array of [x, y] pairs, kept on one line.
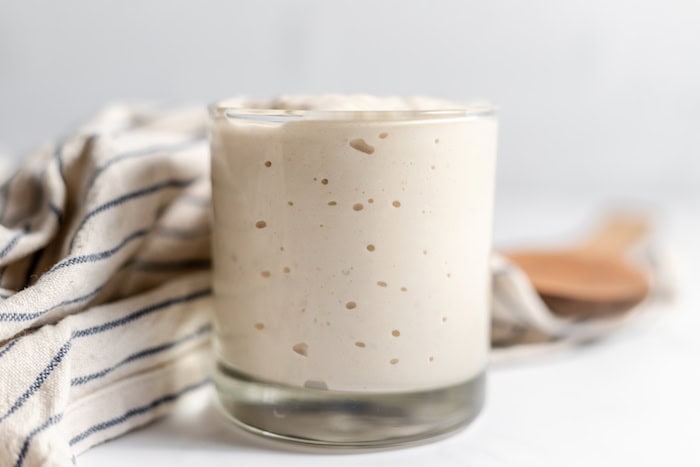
{"points": [[93, 257], [63, 351], [25, 446], [26, 229], [175, 183], [6, 348], [36, 314], [13, 241], [136, 411], [153, 150], [141, 312], [39, 380], [142, 354]]}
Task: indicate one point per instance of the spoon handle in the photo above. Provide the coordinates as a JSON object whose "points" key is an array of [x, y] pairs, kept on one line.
{"points": [[616, 234]]}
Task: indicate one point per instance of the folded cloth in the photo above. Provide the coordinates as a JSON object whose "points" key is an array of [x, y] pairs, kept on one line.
{"points": [[105, 285]]}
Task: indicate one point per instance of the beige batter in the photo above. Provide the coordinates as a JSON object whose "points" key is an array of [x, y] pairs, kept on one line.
{"points": [[351, 249]]}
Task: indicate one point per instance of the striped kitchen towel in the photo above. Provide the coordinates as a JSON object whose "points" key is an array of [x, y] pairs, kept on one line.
{"points": [[104, 283], [105, 286]]}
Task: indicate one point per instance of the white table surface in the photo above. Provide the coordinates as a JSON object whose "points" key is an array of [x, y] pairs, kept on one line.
{"points": [[631, 400]]}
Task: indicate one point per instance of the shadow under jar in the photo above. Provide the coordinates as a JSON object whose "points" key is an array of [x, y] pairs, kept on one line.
{"points": [[351, 275]]}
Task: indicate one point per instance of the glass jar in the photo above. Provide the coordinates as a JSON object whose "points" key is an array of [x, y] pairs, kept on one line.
{"points": [[351, 274]]}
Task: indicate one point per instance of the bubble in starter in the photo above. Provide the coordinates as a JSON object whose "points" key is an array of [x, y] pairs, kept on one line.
{"points": [[259, 326], [370, 201], [351, 305], [290, 203], [395, 333], [268, 164], [361, 145], [404, 289], [396, 204], [324, 181], [394, 361], [370, 247], [360, 344], [301, 348], [261, 224], [383, 135], [358, 207], [381, 283], [332, 203], [444, 319], [265, 274], [286, 270]]}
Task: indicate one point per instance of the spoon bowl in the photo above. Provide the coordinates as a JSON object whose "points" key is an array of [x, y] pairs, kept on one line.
{"points": [[574, 284], [591, 279]]}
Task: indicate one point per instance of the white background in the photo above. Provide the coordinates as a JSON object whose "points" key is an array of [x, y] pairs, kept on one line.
{"points": [[596, 96]]}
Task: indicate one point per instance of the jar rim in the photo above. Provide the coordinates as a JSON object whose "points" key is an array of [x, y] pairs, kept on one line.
{"points": [[229, 109]]}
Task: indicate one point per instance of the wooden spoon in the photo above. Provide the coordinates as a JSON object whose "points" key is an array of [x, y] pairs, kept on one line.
{"points": [[592, 279]]}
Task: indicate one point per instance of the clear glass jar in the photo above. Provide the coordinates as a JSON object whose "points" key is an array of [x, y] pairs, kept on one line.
{"points": [[351, 273]]}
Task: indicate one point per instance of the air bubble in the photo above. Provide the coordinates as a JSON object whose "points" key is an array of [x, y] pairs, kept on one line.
{"points": [[361, 145], [301, 348]]}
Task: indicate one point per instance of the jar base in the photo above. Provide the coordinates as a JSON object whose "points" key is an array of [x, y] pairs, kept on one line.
{"points": [[343, 419]]}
